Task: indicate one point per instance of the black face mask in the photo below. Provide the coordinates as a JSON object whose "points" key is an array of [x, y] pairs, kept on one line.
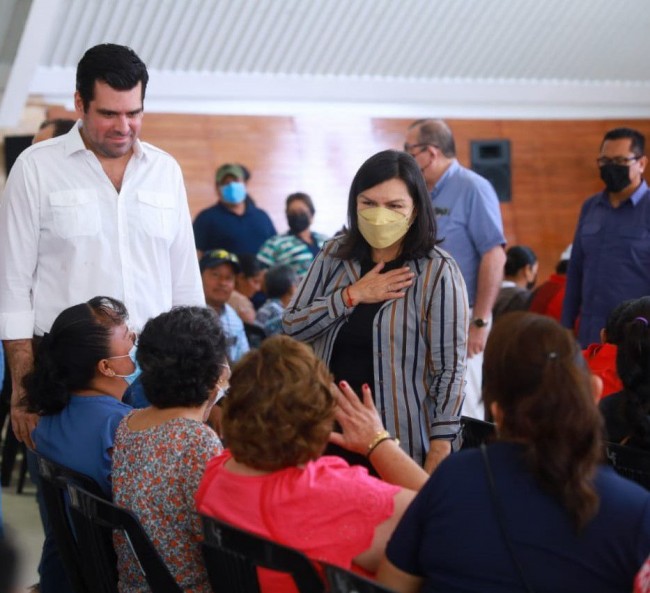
{"points": [[616, 177], [298, 221]]}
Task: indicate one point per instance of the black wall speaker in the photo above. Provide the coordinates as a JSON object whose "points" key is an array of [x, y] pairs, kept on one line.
{"points": [[491, 159], [14, 145]]}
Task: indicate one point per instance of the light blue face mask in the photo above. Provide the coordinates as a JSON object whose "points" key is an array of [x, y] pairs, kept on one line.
{"points": [[233, 193], [136, 371]]}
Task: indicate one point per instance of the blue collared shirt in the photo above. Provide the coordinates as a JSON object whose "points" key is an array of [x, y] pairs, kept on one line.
{"points": [[468, 219], [610, 261]]}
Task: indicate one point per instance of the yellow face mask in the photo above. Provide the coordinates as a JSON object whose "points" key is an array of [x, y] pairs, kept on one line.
{"points": [[382, 227]]}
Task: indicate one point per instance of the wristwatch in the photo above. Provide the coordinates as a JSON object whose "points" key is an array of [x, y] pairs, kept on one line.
{"points": [[480, 322]]}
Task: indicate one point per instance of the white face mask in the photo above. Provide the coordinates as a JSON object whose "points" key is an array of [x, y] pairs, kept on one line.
{"points": [[382, 227]]}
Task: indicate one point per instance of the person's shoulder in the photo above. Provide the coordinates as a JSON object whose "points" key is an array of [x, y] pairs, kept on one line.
{"points": [[471, 179], [626, 494], [153, 151], [231, 314]]}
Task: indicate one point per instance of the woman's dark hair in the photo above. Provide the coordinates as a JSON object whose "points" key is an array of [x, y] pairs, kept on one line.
{"points": [[633, 367], [301, 197], [534, 370], [249, 264], [116, 65], [383, 166], [280, 408], [181, 354], [279, 280], [517, 258], [67, 357]]}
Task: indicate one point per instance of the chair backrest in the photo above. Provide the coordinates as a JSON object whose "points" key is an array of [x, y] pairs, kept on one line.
{"points": [[232, 556], [96, 518], [54, 479], [629, 462], [340, 580], [475, 432]]}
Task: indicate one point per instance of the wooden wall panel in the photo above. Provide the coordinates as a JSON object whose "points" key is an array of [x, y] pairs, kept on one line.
{"points": [[553, 164]]}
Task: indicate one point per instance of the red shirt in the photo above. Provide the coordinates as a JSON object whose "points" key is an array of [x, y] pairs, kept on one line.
{"points": [[548, 298], [326, 509], [601, 359]]}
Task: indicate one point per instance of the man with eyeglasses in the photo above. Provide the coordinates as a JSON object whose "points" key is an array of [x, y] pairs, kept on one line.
{"points": [[610, 259], [470, 227]]}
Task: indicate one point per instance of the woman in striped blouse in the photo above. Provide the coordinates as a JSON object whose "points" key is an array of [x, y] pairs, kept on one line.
{"points": [[383, 306]]}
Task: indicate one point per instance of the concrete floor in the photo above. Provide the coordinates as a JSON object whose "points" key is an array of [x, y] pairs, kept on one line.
{"points": [[22, 524]]}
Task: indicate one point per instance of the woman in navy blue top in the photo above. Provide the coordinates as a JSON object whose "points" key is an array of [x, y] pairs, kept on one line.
{"points": [[551, 518]]}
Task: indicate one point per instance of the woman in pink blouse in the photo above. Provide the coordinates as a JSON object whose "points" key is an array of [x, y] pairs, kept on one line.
{"points": [[273, 481]]}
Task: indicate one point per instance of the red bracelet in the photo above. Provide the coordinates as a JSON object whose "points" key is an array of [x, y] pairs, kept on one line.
{"points": [[346, 297]]}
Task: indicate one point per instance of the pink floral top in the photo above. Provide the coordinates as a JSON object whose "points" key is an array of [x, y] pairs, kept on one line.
{"points": [[156, 473]]}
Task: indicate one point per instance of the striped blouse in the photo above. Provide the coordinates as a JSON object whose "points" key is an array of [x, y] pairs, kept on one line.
{"points": [[419, 342]]}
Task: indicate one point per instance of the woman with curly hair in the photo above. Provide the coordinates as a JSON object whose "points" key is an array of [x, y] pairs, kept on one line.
{"points": [[273, 481], [536, 510], [161, 451]]}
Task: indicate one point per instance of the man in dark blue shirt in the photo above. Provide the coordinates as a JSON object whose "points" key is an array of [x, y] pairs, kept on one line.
{"points": [[234, 223], [610, 259]]}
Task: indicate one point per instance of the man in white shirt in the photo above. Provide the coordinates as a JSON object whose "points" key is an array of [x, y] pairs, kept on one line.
{"points": [[93, 212]]}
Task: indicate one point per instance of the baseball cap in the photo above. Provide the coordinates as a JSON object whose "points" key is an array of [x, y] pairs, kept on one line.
{"points": [[217, 257], [228, 169]]}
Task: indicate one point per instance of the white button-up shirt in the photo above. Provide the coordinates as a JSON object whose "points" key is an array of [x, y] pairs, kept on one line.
{"points": [[67, 235]]}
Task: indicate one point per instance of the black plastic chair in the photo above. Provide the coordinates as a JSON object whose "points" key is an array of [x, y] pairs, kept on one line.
{"points": [[629, 462], [475, 433], [339, 580], [95, 519], [233, 555], [54, 482]]}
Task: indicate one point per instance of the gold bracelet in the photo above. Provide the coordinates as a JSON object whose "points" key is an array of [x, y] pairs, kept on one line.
{"points": [[382, 435]]}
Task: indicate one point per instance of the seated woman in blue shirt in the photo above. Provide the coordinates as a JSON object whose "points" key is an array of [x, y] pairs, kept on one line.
{"points": [[536, 510], [84, 365]]}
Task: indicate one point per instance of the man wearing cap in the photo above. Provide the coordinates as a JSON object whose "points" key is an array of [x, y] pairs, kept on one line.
{"points": [[218, 270], [235, 223]]}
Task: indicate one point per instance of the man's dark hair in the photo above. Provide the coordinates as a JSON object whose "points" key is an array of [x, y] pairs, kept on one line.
{"points": [[637, 144], [250, 265], [116, 65], [383, 166], [181, 354], [61, 125], [437, 133], [279, 280]]}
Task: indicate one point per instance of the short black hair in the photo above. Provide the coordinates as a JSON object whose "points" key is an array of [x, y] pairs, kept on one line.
{"points": [[637, 144], [383, 166], [67, 356], [301, 197], [116, 65], [181, 354], [517, 258], [279, 280], [617, 318]]}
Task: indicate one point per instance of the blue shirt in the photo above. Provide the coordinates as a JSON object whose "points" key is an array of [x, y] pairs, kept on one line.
{"points": [[81, 436], [450, 535], [233, 327], [219, 228], [269, 317], [610, 261], [468, 219]]}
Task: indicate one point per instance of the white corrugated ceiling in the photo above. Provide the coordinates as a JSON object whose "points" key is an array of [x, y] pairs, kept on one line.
{"points": [[474, 58]]}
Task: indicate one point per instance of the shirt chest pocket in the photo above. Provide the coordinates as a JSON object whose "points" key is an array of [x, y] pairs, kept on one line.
{"points": [[158, 214], [75, 213]]}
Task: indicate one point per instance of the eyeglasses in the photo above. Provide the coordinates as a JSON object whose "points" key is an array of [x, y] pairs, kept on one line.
{"points": [[409, 147], [617, 160]]}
